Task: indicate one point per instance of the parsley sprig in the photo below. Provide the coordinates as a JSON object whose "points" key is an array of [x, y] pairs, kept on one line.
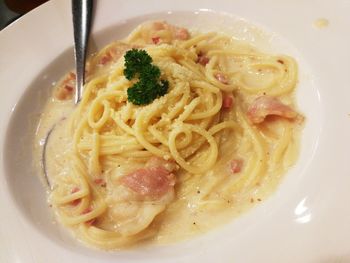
{"points": [[138, 64]]}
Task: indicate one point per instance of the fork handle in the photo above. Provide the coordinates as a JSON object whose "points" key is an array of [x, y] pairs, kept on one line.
{"points": [[81, 13]]}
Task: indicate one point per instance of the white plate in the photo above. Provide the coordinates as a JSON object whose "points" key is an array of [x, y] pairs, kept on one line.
{"points": [[306, 220]]}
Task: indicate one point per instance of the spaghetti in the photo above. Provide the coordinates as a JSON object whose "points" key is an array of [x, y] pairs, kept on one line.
{"points": [[218, 140]]}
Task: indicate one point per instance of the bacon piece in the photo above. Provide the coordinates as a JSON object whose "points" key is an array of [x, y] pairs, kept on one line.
{"points": [[66, 88], [202, 59], [151, 182], [236, 165], [227, 102], [265, 105], [221, 77]]}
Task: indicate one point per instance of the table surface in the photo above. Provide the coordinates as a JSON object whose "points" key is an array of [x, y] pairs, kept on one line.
{"points": [[6, 15]]}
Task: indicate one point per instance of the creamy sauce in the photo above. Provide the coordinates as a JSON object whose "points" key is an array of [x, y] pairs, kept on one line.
{"points": [[184, 213]]}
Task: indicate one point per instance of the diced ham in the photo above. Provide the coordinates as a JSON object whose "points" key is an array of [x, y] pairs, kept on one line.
{"points": [[100, 182], [152, 181], [75, 189], [227, 102], [181, 33], [105, 59], [174, 32], [76, 201], [64, 92], [236, 165], [114, 52], [202, 59], [71, 76], [66, 88], [221, 77], [265, 105], [159, 25], [91, 221], [155, 40], [86, 211]]}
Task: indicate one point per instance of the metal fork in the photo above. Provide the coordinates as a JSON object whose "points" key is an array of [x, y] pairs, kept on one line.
{"points": [[82, 14]]}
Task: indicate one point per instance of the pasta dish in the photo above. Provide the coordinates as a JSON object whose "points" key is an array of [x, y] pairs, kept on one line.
{"points": [[175, 130]]}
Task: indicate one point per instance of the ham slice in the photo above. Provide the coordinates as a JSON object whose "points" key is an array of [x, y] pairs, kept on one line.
{"points": [[265, 105], [154, 181]]}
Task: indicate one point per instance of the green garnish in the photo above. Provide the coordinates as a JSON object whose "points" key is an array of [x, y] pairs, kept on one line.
{"points": [[138, 64]]}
